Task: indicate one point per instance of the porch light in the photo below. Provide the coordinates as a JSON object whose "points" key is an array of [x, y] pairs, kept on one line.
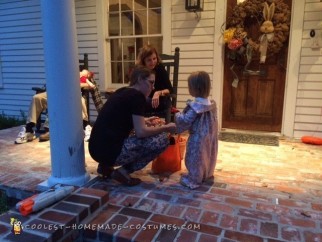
{"points": [[194, 5]]}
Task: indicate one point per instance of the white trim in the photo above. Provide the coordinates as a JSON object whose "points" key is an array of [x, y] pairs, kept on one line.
{"points": [[103, 68], [292, 74], [133, 36], [166, 30], [218, 64]]}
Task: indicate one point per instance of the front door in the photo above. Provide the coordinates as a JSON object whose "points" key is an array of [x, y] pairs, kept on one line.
{"points": [[253, 97]]}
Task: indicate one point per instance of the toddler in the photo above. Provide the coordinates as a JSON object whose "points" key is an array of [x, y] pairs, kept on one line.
{"points": [[200, 118]]}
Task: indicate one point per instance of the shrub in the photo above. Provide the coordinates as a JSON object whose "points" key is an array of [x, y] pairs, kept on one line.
{"points": [[8, 122]]}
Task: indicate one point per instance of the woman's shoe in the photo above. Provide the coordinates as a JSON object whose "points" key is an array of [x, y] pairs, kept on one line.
{"points": [[125, 179], [105, 171]]}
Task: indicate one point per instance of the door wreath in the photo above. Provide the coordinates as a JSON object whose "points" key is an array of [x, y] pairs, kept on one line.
{"points": [[271, 17]]}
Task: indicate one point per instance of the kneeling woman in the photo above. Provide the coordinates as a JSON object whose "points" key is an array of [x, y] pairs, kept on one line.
{"points": [[121, 136]]}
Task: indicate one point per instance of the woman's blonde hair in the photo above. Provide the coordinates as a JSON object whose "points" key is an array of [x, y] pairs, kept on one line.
{"points": [[199, 84], [146, 51]]}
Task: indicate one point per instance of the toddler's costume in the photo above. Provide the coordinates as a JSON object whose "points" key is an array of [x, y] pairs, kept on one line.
{"points": [[200, 118]]}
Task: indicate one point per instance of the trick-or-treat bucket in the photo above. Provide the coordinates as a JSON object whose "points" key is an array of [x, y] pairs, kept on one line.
{"points": [[182, 146]]}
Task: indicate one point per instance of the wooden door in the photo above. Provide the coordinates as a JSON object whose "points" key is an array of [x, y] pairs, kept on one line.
{"points": [[256, 103]]}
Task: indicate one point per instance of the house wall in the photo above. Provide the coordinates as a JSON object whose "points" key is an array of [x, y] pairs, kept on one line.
{"points": [[21, 53], [88, 39], [201, 48], [308, 110], [22, 57], [21, 50], [195, 38]]}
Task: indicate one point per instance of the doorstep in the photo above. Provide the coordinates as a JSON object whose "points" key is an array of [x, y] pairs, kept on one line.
{"points": [[63, 221]]}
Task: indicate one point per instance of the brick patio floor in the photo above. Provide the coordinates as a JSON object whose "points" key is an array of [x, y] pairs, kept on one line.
{"points": [[260, 193]]}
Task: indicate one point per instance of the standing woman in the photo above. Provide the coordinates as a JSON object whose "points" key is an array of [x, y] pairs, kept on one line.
{"points": [[122, 137], [159, 99]]}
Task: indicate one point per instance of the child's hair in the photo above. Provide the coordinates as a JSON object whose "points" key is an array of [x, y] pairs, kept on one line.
{"points": [[199, 83], [139, 72], [146, 51]]}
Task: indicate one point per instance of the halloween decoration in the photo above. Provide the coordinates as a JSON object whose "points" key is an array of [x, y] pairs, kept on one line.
{"points": [[267, 28], [311, 140], [271, 18]]}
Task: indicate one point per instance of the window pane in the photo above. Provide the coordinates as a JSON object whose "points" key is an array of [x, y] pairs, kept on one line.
{"points": [[114, 5], [130, 51], [116, 68], [128, 67], [116, 61], [154, 22], [140, 4], [155, 41], [140, 22], [154, 3], [114, 24], [129, 57], [126, 6], [116, 50], [126, 23]]}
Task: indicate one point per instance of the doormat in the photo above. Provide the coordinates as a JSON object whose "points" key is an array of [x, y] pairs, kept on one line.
{"points": [[248, 138]]}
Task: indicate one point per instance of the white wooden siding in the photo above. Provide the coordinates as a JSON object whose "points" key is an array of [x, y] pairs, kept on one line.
{"points": [[196, 42], [308, 114], [22, 58], [21, 53], [87, 39]]}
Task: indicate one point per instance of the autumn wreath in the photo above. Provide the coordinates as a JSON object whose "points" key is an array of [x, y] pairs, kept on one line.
{"points": [[251, 14]]}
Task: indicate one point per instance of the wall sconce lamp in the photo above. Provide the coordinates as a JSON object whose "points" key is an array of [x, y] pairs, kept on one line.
{"points": [[194, 6]]}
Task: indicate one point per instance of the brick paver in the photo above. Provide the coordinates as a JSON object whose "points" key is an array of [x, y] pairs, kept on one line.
{"points": [[260, 193]]}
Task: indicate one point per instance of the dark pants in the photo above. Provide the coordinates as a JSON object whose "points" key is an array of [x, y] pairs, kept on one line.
{"points": [[138, 152]]}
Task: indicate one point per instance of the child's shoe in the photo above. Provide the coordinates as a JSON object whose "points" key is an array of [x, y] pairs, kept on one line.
{"points": [[184, 181], [24, 137]]}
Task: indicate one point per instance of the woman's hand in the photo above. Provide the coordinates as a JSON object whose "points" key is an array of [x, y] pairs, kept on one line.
{"points": [[156, 99], [154, 121], [142, 130]]}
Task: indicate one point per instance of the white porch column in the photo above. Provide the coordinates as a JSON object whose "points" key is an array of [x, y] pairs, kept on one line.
{"points": [[64, 97]]}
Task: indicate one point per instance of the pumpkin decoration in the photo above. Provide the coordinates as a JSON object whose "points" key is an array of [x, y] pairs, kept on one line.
{"points": [[312, 140]]}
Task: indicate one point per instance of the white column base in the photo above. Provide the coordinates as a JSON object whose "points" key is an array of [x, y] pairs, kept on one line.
{"points": [[81, 181]]}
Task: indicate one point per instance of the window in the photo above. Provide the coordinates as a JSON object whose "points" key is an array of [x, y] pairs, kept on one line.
{"points": [[131, 24]]}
